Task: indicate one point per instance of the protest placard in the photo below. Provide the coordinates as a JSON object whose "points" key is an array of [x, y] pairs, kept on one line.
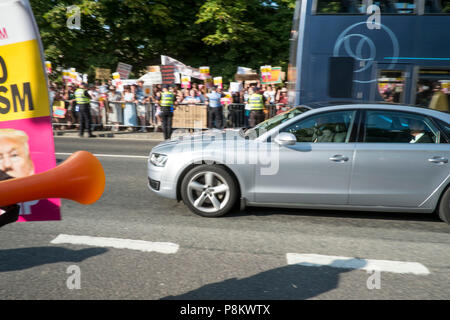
{"points": [[102, 74], [265, 73], [59, 110], [124, 70], [274, 76], [235, 86], [151, 78], [48, 67], [153, 69], [186, 82], [204, 72], [218, 82], [25, 119], [167, 73]]}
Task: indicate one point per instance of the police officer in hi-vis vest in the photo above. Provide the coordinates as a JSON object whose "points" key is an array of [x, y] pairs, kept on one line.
{"points": [[167, 107], [82, 99], [256, 104]]}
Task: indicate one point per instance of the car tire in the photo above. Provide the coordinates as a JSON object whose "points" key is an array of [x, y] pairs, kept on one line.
{"points": [[444, 206], [209, 191]]}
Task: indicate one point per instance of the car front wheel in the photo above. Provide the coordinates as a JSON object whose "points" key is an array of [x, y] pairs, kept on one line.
{"points": [[209, 191]]}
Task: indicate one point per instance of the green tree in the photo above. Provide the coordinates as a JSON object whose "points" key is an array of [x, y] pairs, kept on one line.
{"points": [[220, 33], [249, 32]]}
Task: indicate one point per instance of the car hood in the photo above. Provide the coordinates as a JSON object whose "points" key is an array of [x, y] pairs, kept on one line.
{"points": [[206, 138], [210, 134]]}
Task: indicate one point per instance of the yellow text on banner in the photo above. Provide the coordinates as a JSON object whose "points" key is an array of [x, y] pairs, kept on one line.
{"points": [[23, 91]]}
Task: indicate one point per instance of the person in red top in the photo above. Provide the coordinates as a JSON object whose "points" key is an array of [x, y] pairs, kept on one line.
{"points": [[282, 100]]}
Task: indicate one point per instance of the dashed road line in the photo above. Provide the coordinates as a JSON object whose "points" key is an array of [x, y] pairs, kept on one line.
{"points": [[140, 245], [317, 260]]}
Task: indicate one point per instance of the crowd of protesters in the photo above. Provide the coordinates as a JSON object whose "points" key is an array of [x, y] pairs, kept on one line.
{"points": [[131, 109]]}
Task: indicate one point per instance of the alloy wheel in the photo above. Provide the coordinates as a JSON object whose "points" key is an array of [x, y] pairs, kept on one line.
{"points": [[208, 191]]}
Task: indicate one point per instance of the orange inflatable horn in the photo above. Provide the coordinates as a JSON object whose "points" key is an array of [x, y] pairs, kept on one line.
{"points": [[80, 178]]}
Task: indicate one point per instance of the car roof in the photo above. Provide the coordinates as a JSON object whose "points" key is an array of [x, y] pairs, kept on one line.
{"points": [[325, 106], [328, 103]]}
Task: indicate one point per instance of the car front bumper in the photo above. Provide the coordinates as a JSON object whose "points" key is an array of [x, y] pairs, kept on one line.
{"points": [[158, 183]]}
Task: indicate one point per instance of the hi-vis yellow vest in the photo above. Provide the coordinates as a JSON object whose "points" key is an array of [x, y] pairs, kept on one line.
{"points": [[80, 97], [167, 99], [256, 102]]}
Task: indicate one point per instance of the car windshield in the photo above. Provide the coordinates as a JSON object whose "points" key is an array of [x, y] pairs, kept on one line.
{"points": [[271, 123]]}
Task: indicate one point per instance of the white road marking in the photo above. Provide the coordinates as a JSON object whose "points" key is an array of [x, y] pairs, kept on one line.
{"points": [[317, 260], [140, 245], [106, 155]]}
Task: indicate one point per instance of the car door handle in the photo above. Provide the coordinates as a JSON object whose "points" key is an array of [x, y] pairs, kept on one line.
{"points": [[438, 160], [339, 158]]}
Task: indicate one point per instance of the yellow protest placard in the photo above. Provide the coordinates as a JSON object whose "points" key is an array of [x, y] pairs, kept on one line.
{"points": [[23, 90]]}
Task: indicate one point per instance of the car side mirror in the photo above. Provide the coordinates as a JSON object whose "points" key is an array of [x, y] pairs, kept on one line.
{"points": [[285, 139]]}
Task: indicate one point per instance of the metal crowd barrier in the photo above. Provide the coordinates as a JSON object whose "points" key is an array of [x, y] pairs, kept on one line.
{"points": [[234, 115], [272, 110], [105, 115], [149, 114]]}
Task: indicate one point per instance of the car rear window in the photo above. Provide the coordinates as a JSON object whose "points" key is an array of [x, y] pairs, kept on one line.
{"points": [[384, 126]]}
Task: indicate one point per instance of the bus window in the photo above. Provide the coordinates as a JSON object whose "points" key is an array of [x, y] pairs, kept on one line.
{"points": [[395, 7], [433, 89], [340, 6], [390, 85], [437, 6]]}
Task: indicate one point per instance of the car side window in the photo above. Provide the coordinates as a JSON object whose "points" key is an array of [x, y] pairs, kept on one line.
{"points": [[327, 127], [383, 126], [445, 127]]}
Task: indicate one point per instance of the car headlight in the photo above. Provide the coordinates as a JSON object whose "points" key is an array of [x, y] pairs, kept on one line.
{"points": [[158, 159]]}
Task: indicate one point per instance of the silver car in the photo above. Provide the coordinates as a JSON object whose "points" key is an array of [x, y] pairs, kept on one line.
{"points": [[370, 157]]}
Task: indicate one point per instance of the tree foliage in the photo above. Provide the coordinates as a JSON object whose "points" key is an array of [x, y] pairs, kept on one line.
{"points": [[223, 34]]}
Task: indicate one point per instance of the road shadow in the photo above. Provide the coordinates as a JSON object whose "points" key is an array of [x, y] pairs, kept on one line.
{"points": [[25, 258], [368, 215], [293, 282]]}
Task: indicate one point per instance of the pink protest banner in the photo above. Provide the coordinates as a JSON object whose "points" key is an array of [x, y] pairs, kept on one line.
{"points": [[186, 82], [273, 77], [26, 134], [218, 82]]}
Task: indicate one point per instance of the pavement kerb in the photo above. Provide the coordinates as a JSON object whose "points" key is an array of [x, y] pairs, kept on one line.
{"points": [[149, 136]]}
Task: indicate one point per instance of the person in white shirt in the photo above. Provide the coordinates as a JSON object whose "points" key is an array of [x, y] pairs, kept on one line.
{"points": [[129, 112], [418, 132], [269, 94], [115, 115], [95, 107]]}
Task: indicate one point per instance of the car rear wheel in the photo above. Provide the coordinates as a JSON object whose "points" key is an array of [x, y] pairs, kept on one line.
{"points": [[444, 206], [209, 191]]}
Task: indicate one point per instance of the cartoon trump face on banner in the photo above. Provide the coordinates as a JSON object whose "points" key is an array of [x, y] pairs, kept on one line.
{"points": [[15, 158], [15, 162]]}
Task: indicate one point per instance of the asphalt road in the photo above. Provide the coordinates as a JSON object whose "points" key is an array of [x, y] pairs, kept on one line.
{"points": [[240, 256]]}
